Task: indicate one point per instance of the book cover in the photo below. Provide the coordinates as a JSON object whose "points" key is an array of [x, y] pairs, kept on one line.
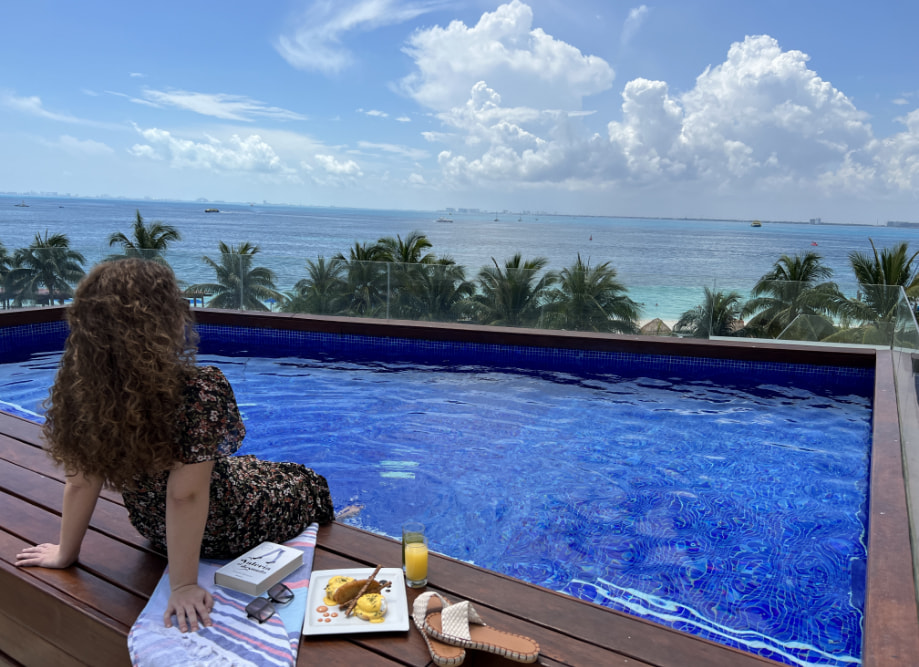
{"points": [[259, 569]]}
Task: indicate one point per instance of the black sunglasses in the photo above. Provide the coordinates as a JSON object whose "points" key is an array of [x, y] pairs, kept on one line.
{"points": [[261, 609]]}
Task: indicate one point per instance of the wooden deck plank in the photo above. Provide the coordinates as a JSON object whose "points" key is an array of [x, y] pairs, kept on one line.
{"points": [[109, 517], [34, 458], [131, 568], [27, 647], [890, 633], [78, 583], [66, 623]]}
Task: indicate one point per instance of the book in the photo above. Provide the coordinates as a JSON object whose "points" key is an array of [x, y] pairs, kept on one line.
{"points": [[259, 569]]}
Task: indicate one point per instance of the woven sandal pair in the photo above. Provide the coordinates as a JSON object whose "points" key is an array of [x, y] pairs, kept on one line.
{"points": [[449, 629]]}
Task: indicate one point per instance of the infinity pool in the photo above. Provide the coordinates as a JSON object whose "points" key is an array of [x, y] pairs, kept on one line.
{"points": [[729, 502]]}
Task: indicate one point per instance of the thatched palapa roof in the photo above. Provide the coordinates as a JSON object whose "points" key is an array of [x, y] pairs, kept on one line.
{"points": [[656, 327]]}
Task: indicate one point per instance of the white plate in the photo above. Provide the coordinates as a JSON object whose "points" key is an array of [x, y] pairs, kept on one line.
{"points": [[396, 604]]}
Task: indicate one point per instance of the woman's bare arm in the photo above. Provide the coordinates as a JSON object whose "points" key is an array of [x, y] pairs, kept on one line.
{"points": [[187, 502], [80, 495]]}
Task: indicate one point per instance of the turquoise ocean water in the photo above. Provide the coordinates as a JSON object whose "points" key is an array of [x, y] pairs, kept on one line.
{"points": [[664, 263]]}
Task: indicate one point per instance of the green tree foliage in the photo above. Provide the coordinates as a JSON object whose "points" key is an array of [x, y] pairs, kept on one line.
{"points": [[435, 291], [591, 299], [876, 309], [796, 290], [717, 315], [322, 291], [367, 281], [239, 284], [411, 250], [50, 264], [513, 295], [148, 241]]}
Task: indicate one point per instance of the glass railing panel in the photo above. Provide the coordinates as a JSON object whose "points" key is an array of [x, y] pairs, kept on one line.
{"points": [[868, 318], [810, 328], [792, 311], [718, 314], [906, 332], [904, 353]]}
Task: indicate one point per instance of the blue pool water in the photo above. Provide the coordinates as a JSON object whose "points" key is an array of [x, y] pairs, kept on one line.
{"points": [[726, 499]]}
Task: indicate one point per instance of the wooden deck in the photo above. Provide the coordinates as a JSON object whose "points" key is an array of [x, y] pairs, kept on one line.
{"points": [[81, 616]]}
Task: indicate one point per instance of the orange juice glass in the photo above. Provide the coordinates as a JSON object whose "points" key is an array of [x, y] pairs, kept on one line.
{"points": [[415, 554]]}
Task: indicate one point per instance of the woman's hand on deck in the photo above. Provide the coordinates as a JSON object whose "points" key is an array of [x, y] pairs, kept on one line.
{"points": [[189, 603], [44, 555]]}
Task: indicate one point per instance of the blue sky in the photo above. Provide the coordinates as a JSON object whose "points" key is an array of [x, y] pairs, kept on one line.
{"points": [[696, 108]]}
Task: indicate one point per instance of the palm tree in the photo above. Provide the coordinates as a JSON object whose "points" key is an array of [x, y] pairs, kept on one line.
{"points": [[795, 289], [321, 292], [406, 257], [408, 251], [239, 285], [514, 295], [591, 299], [148, 241], [437, 292], [880, 276], [48, 263], [367, 281], [717, 315]]}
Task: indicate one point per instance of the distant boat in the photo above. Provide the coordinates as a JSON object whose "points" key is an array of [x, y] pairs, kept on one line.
{"points": [[443, 220], [212, 210], [756, 223], [22, 204]]}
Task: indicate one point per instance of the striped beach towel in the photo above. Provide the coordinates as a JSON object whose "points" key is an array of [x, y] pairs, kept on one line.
{"points": [[233, 640]]}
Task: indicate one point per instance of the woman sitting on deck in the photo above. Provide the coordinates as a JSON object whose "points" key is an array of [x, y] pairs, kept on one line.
{"points": [[130, 410]]}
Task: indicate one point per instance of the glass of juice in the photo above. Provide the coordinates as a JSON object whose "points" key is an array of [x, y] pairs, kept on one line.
{"points": [[414, 554]]}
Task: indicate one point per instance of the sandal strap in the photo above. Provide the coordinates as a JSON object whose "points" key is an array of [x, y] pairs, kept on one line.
{"points": [[456, 618], [420, 607]]}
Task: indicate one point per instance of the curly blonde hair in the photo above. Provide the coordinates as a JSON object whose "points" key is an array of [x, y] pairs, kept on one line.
{"points": [[112, 410]]}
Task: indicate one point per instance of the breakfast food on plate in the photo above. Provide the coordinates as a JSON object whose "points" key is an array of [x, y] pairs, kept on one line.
{"points": [[371, 607], [350, 589], [361, 597], [334, 584]]}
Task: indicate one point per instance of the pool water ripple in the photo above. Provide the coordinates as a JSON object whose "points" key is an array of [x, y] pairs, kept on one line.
{"points": [[732, 512]]}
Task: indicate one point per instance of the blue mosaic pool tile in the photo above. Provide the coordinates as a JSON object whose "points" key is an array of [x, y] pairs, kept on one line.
{"points": [[19, 341], [241, 340]]}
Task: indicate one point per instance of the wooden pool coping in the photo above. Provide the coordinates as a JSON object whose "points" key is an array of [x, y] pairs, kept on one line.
{"points": [[891, 632]]}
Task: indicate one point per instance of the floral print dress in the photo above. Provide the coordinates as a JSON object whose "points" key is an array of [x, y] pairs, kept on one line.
{"points": [[251, 500]]}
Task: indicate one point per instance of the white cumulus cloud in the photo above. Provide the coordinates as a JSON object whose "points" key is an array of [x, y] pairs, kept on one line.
{"points": [[526, 66], [761, 121], [235, 154], [338, 167]]}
